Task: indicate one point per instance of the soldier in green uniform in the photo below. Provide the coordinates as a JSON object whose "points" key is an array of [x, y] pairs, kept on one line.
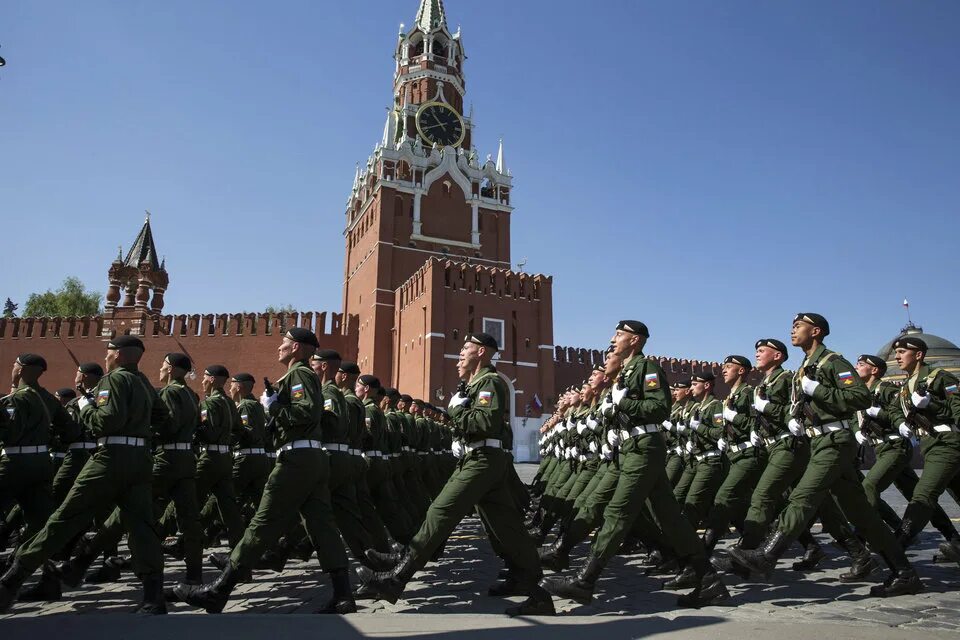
{"points": [[419, 496], [930, 404], [118, 412], [747, 460], [297, 484], [641, 403], [709, 462], [336, 441], [25, 465], [676, 456], [398, 460], [878, 426], [250, 464], [481, 480], [826, 392], [346, 380]]}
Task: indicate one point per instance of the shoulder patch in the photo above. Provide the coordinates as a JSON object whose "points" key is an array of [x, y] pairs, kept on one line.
{"points": [[203, 415], [368, 420], [950, 389], [296, 392], [103, 397], [484, 398], [651, 382], [845, 378], [246, 419], [718, 419], [328, 404], [12, 412]]}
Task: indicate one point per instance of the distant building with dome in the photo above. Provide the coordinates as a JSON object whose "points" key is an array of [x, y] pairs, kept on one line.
{"points": [[941, 353]]}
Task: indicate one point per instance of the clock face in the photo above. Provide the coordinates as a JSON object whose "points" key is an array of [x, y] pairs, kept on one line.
{"points": [[440, 123]]}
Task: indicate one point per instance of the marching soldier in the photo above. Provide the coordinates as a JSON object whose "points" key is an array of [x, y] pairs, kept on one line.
{"points": [[706, 437], [676, 456]]}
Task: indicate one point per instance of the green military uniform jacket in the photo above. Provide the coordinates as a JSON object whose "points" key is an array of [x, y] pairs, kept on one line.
{"points": [[25, 419], [944, 407], [299, 406], [841, 392], [484, 416], [740, 400], [253, 424], [355, 419], [884, 395], [219, 419], [124, 404], [183, 406], [776, 387], [711, 427], [647, 400], [376, 426], [336, 419]]}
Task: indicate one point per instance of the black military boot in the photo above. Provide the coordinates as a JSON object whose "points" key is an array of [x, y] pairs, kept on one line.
{"points": [[47, 589], [72, 572], [342, 601], [509, 584], [557, 556], [580, 588], [764, 559], [903, 580], [710, 539], [272, 559], [949, 551], [10, 584], [709, 590], [906, 534], [538, 603], [106, 572], [813, 555], [668, 564], [153, 603], [210, 597], [863, 562], [382, 561], [389, 585], [173, 547], [686, 579]]}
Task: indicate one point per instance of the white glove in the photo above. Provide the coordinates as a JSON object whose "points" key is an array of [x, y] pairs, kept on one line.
{"points": [[581, 427], [457, 449], [458, 400], [606, 452], [809, 386], [606, 406], [592, 446], [680, 427], [729, 414], [83, 402], [679, 450], [667, 425], [613, 438], [570, 425], [760, 404], [694, 424], [557, 451], [795, 427], [267, 401], [906, 431], [688, 447], [572, 453], [755, 438], [873, 412], [617, 394], [722, 444], [919, 401], [593, 423], [861, 438]]}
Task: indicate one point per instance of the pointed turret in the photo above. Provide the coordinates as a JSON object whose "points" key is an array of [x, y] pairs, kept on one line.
{"points": [[143, 248], [500, 165], [389, 131], [431, 15]]}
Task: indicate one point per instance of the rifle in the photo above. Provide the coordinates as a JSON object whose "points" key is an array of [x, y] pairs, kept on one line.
{"points": [[727, 426], [271, 421], [764, 428], [462, 390], [914, 418], [801, 409]]}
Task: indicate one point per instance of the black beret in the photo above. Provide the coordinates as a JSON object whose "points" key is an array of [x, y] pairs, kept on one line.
{"points": [[326, 355], [418, 401], [91, 368], [599, 367], [179, 360], [243, 377], [910, 342], [706, 376], [217, 371], [874, 361], [773, 343], [32, 360], [303, 336], [406, 398], [122, 342], [350, 368], [484, 340], [66, 393], [634, 326], [683, 383], [392, 393], [743, 361], [816, 320], [369, 381]]}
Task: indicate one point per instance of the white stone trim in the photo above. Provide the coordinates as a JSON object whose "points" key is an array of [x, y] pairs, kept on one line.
{"points": [[443, 255], [526, 364], [453, 243], [548, 346], [436, 335]]}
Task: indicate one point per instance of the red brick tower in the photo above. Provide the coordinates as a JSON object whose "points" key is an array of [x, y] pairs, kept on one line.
{"points": [[136, 276]]}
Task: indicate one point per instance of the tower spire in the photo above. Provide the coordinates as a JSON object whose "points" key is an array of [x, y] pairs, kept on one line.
{"points": [[500, 167], [143, 249], [431, 15]]}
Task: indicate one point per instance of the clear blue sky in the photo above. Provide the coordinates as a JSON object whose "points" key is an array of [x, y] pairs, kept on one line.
{"points": [[707, 167]]}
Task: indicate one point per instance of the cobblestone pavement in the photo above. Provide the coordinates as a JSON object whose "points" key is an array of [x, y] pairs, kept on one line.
{"points": [[628, 605]]}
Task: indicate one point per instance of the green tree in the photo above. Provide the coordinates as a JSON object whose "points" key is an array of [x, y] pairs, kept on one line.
{"points": [[287, 308], [10, 309], [71, 299]]}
